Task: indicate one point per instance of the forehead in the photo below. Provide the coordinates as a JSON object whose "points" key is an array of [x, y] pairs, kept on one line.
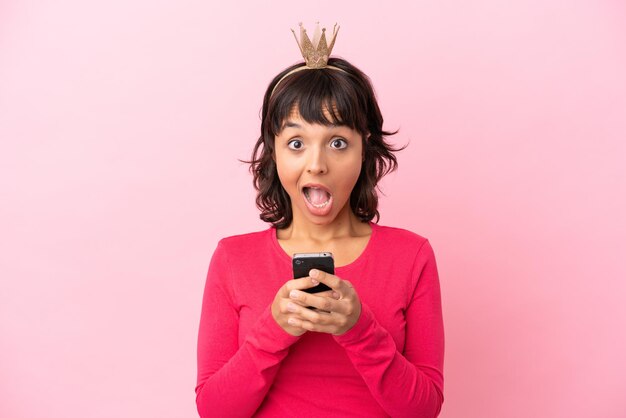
{"points": [[294, 116]]}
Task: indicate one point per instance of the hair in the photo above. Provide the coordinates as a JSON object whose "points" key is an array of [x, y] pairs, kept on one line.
{"points": [[349, 99]]}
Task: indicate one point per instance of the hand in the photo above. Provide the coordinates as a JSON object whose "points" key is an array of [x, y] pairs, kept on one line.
{"points": [[337, 312], [282, 302]]}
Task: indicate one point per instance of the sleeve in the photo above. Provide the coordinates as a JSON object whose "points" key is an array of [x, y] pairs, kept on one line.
{"points": [[232, 381], [406, 385]]}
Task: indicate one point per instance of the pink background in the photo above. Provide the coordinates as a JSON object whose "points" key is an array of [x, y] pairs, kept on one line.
{"points": [[121, 123]]}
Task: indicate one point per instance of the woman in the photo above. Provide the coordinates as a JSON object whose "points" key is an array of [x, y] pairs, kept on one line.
{"points": [[373, 345]]}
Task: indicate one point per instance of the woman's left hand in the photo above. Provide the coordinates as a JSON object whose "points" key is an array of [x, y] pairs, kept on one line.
{"points": [[334, 315]]}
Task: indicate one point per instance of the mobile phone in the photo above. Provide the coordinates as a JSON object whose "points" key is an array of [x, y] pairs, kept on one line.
{"points": [[304, 262]]}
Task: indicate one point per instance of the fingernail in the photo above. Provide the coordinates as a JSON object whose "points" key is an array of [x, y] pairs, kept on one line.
{"points": [[313, 273], [291, 307], [291, 321], [336, 295], [314, 281], [293, 294]]}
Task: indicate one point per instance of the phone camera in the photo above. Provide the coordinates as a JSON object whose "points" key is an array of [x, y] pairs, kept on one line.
{"points": [[298, 261]]}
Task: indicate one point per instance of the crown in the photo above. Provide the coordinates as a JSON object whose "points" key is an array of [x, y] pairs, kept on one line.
{"points": [[316, 52]]}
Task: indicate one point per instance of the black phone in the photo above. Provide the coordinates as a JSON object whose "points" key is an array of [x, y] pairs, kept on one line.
{"points": [[304, 262]]}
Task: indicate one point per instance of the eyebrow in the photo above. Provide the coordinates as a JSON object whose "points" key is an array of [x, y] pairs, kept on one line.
{"points": [[290, 124]]}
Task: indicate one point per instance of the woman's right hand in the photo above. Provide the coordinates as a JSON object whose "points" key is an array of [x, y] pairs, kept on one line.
{"points": [[280, 310]]}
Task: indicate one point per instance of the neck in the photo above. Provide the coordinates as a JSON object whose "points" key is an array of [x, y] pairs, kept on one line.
{"points": [[345, 224]]}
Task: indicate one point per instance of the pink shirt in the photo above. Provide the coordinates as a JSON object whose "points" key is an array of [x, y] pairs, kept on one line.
{"points": [[390, 363]]}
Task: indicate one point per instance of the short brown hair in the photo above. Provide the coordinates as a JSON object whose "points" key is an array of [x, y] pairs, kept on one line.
{"points": [[349, 99]]}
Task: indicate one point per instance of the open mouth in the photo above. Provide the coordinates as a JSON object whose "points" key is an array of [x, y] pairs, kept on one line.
{"points": [[318, 198]]}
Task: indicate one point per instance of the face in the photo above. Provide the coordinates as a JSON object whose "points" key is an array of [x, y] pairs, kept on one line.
{"points": [[318, 166]]}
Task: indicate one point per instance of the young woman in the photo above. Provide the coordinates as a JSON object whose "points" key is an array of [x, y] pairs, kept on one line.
{"points": [[371, 346]]}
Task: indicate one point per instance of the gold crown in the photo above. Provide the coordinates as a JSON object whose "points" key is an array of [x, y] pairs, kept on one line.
{"points": [[316, 52]]}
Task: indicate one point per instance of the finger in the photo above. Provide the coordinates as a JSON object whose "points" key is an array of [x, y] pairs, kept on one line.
{"points": [[322, 303], [301, 283], [328, 294], [293, 308], [310, 326], [328, 279], [311, 315], [298, 296], [289, 307], [347, 289], [343, 287]]}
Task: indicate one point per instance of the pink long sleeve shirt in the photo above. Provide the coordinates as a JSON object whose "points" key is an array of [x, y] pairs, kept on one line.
{"points": [[390, 363]]}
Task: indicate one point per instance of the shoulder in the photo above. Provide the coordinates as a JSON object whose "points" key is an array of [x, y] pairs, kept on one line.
{"points": [[400, 243], [244, 243], [399, 237]]}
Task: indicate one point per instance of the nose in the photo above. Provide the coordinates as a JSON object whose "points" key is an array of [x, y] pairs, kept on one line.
{"points": [[316, 163]]}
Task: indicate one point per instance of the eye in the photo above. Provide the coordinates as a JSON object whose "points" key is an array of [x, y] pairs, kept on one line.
{"points": [[295, 144], [339, 143]]}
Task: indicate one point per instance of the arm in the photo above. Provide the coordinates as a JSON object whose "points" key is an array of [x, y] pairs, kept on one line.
{"points": [[409, 384], [233, 380]]}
